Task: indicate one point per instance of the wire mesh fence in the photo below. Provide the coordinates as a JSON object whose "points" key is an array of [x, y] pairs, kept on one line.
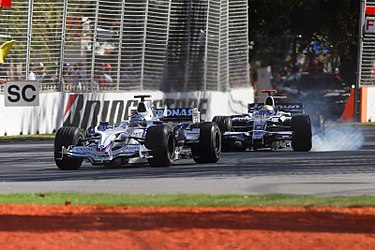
{"points": [[367, 64], [116, 45]]}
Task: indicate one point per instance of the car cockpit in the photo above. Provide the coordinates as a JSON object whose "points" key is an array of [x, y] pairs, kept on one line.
{"points": [[144, 107]]}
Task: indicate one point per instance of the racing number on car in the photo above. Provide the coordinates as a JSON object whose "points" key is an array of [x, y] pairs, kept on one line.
{"points": [[21, 94]]}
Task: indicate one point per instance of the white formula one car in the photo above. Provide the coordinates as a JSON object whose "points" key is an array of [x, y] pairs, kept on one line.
{"points": [[267, 126], [151, 135]]}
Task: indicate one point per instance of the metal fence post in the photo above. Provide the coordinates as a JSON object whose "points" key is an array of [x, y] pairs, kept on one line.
{"points": [[219, 50], [187, 59], [120, 44], [248, 46], [144, 46], [359, 64], [206, 47], [29, 33], [63, 28], [95, 35], [227, 45], [166, 73]]}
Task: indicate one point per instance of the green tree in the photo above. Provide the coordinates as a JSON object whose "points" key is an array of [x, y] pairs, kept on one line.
{"points": [[275, 23]]}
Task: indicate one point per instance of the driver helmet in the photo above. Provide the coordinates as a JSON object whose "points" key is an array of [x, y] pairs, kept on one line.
{"points": [[137, 120], [267, 110]]}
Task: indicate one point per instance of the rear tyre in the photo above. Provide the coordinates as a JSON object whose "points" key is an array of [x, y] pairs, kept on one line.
{"points": [[67, 136], [160, 140], [225, 124], [302, 137], [209, 147]]}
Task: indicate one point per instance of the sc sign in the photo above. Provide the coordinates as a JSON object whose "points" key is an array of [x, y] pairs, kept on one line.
{"points": [[22, 93]]}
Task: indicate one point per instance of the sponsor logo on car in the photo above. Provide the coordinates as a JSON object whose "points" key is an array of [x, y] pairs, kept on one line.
{"points": [[79, 149], [131, 148], [139, 133], [289, 107], [176, 112]]}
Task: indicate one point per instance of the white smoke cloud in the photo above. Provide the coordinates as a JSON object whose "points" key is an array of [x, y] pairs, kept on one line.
{"points": [[338, 137]]}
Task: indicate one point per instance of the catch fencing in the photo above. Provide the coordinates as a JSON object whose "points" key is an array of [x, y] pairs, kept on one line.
{"points": [[367, 50], [115, 45]]}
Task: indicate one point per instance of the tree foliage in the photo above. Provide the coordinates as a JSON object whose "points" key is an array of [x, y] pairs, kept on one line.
{"points": [[275, 23]]}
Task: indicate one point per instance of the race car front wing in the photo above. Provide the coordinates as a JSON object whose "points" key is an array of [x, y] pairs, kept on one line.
{"points": [[96, 157]]}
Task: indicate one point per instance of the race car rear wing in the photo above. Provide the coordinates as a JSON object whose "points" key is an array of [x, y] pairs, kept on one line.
{"points": [[294, 108], [178, 114]]}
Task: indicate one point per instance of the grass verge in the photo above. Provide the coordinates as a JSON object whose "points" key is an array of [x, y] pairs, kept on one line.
{"points": [[25, 138], [186, 200]]}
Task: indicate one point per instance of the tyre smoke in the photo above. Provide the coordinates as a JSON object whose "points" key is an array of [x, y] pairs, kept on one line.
{"points": [[338, 137]]}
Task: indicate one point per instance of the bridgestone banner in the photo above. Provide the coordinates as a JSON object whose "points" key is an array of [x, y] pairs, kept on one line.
{"points": [[82, 110]]}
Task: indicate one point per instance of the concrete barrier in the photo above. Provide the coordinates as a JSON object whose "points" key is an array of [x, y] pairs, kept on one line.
{"points": [[57, 109]]}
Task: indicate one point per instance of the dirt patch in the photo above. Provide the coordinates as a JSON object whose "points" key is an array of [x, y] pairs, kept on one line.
{"points": [[97, 227]]}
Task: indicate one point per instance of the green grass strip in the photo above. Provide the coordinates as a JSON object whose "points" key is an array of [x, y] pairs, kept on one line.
{"points": [[25, 138], [186, 200]]}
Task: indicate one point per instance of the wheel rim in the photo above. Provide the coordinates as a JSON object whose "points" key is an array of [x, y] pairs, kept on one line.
{"points": [[170, 146], [217, 142]]}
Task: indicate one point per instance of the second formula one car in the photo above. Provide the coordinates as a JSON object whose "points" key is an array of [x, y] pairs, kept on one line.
{"points": [[267, 126], [156, 136]]}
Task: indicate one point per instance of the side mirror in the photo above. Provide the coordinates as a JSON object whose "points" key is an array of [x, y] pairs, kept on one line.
{"points": [[196, 116]]}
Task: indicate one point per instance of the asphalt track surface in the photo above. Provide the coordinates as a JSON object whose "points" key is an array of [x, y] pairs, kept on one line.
{"points": [[342, 165]]}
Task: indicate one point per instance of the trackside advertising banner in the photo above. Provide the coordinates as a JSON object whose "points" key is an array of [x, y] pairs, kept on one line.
{"points": [[369, 105], [6, 3], [82, 110]]}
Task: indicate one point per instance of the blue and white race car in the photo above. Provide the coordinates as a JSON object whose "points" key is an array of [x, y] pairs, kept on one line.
{"points": [[267, 126], [156, 136]]}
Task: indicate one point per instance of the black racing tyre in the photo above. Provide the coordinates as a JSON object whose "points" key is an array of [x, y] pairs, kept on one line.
{"points": [[225, 124], [160, 140], [209, 147], [302, 136], [67, 136]]}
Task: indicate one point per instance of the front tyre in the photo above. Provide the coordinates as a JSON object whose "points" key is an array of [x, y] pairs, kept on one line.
{"points": [[160, 140], [67, 136], [302, 136], [209, 147]]}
